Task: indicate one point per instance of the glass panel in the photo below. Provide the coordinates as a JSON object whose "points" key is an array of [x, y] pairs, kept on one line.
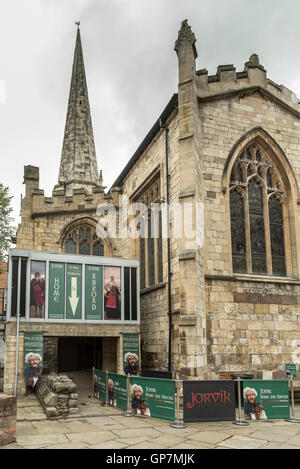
{"points": [[37, 289], [248, 154], [70, 247], [142, 261], [160, 253], [257, 228], [98, 249], [81, 234], [127, 293], [23, 288], [88, 234], [238, 242], [151, 267], [277, 237], [112, 293], [84, 248], [133, 294], [258, 155], [14, 292]]}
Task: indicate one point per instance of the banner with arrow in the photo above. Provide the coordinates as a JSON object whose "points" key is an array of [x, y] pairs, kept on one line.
{"points": [[74, 291]]}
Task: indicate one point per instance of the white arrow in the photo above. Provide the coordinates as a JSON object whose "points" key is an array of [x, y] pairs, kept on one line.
{"points": [[73, 298]]}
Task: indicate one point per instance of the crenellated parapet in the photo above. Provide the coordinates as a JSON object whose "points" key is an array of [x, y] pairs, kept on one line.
{"points": [[253, 78]]}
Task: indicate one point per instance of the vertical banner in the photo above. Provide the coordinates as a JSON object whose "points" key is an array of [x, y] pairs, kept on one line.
{"points": [[266, 399], [208, 401], [56, 302], [153, 397], [33, 357], [100, 385], [112, 293], [37, 289], [94, 292], [74, 291], [117, 391], [131, 352]]}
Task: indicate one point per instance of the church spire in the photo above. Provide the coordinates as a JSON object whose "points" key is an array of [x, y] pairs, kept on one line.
{"points": [[78, 166]]}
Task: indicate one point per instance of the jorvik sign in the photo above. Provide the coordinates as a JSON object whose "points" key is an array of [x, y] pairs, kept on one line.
{"points": [[208, 401]]}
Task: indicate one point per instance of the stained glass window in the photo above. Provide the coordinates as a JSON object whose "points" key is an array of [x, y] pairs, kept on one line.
{"points": [[238, 232], [83, 239], [277, 237], [257, 181]]}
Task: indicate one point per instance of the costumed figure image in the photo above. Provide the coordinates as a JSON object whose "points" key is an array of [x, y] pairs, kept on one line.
{"points": [[253, 409], [138, 405], [131, 368], [37, 296], [112, 300], [111, 394], [33, 371]]}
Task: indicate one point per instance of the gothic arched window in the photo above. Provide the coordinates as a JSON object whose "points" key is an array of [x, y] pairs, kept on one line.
{"points": [[257, 215], [82, 239]]}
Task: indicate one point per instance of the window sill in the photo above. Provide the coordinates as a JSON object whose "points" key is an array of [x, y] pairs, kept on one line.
{"points": [[158, 286], [254, 278]]}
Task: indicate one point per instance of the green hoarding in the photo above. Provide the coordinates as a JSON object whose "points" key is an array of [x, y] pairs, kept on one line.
{"points": [[94, 292], [100, 385], [153, 397], [266, 399], [74, 291], [33, 356], [131, 344], [56, 305], [117, 390]]}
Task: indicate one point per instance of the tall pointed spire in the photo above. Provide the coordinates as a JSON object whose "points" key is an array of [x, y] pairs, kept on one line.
{"points": [[78, 166]]}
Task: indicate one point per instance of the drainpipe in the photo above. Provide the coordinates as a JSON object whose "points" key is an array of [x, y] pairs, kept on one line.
{"points": [[162, 126]]}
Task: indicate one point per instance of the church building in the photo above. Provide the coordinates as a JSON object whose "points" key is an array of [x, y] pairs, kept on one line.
{"points": [[209, 204]]}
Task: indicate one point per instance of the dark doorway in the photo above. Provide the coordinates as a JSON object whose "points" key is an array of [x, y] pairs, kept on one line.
{"points": [[79, 353]]}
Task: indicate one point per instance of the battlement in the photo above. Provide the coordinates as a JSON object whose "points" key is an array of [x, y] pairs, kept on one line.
{"points": [[227, 80]]}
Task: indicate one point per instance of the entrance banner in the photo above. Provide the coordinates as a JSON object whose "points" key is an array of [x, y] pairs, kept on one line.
{"points": [[74, 291], [117, 391], [131, 352], [37, 289], [208, 401], [266, 399], [100, 384], [94, 292], [153, 397], [56, 305], [33, 356]]}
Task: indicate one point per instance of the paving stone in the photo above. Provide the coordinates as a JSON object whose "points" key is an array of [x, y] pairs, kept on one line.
{"points": [[135, 432], [70, 445], [295, 440], [91, 437], [131, 441], [194, 445], [242, 442], [273, 445], [211, 437], [168, 441], [109, 445], [40, 440], [273, 435]]}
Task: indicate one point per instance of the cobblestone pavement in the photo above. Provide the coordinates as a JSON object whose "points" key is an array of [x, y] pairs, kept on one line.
{"points": [[98, 427]]}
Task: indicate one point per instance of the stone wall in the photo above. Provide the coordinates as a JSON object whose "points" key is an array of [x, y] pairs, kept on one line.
{"points": [[58, 395], [252, 326], [8, 418]]}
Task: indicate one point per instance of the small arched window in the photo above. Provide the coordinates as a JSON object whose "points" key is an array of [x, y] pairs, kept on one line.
{"points": [[83, 239], [257, 215]]}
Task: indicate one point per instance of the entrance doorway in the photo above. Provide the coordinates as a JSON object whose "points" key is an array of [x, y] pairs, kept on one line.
{"points": [[79, 353]]}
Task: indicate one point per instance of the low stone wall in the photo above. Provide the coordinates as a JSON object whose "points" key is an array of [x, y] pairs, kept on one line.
{"points": [[58, 395], [8, 419]]}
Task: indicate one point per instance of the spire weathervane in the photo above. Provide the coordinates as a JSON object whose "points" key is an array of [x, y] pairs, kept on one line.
{"points": [[77, 23]]}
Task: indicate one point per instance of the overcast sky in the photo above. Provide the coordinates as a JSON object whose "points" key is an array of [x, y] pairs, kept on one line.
{"points": [[131, 69]]}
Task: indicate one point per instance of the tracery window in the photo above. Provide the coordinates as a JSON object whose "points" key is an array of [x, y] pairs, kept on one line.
{"points": [[83, 239], [150, 236], [257, 205]]}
